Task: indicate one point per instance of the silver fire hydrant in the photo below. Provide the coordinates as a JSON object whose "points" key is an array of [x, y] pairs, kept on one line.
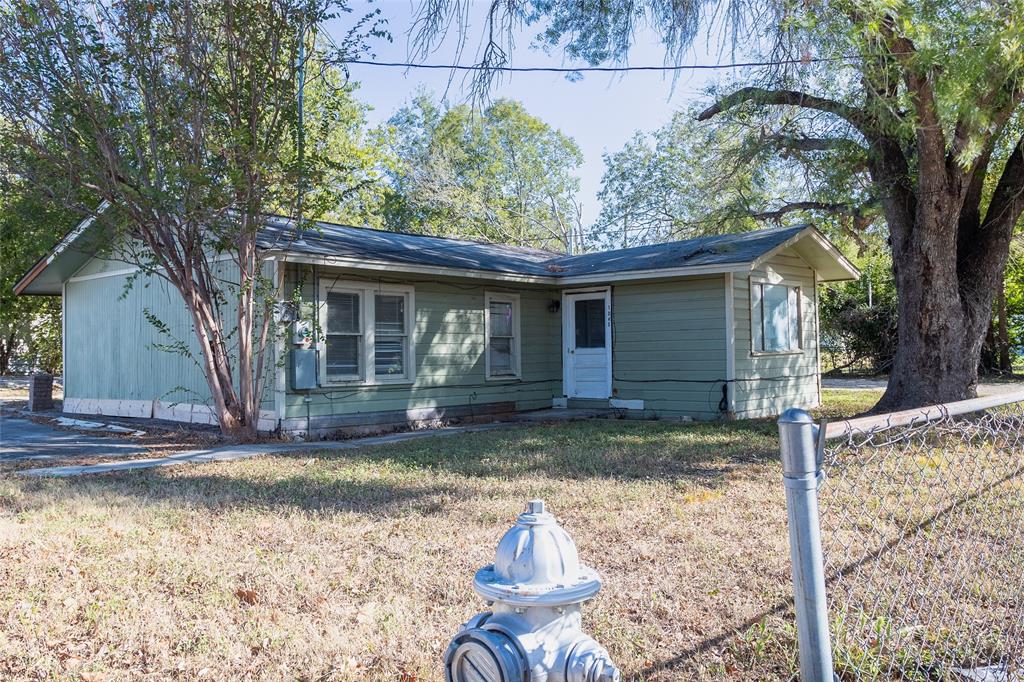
{"points": [[533, 632]]}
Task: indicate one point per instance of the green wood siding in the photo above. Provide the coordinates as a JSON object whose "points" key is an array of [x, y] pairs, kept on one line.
{"points": [[110, 344], [785, 380], [448, 334], [669, 345], [112, 349]]}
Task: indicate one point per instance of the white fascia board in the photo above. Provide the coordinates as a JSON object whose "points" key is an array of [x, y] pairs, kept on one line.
{"points": [[813, 233], [77, 232], [843, 261], [663, 273], [575, 280]]}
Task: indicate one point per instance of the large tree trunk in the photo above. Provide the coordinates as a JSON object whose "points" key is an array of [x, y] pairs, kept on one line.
{"points": [[948, 262], [939, 338], [939, 345]]}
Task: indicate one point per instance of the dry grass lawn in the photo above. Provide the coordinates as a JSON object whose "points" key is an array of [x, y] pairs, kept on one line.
{"points": [[357, 565]]}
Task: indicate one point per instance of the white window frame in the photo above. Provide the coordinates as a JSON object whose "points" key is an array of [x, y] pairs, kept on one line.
{"points": [[517, 344], [757, 316], [367, 309]]}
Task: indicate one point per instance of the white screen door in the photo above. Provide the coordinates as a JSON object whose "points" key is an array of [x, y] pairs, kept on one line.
{"points": [[587, 341]]}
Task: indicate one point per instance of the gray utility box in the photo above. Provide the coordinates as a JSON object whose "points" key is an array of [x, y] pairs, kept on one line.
{"points": [[303, 368]]}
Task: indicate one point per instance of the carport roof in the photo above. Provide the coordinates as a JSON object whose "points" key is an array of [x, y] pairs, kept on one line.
{"points": [[343, 245]]}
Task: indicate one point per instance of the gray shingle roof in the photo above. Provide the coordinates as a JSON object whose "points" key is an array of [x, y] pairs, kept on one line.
{"points": [[412, 249], [401, 248], [721, 249]]}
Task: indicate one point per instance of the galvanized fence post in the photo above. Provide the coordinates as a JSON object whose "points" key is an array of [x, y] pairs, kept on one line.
{"points": [[799, 442]]}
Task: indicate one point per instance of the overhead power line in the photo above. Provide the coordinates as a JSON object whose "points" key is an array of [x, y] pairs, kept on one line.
{"points": [[593, 69]]}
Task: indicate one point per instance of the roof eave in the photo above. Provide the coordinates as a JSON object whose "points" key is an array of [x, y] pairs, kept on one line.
{"points": [[493, 275], [844, 269], [22, 287]]}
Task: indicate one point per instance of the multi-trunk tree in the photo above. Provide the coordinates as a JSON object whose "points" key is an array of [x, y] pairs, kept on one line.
{"points": [[180, 117], [920, 97]]}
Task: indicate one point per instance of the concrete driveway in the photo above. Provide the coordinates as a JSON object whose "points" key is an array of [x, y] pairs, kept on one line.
{"points": [[22, 439]]}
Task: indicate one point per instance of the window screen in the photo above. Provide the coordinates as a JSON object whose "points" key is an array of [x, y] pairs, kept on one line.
{"points": [[590, 322], [776, 317], [389, 335], [343, 336], [502, 343]]}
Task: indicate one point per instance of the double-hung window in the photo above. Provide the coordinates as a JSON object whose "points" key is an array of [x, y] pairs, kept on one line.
{"points": [[391, 335], [343, 336], [501, 323], [365, 333], [775, 317]]}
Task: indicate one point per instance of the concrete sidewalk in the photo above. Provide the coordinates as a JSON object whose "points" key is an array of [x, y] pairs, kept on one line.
{"points": [[230, 453]]}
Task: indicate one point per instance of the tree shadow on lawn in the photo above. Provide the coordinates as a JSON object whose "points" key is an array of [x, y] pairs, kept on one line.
{"points": [[617, 449], [417, 476]]}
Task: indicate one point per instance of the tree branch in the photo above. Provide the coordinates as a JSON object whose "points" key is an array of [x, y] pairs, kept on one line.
{"points": [[828, 207], [858, 118], [991, 239]]}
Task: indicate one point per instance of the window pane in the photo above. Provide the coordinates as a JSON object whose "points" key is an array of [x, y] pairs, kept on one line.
{"points": [[389, 356], [794, 318], [342, 313], [589, 315], [501, 357], [775, 302], [389, 315], [342, 356], [501, 319], [757, 315]]}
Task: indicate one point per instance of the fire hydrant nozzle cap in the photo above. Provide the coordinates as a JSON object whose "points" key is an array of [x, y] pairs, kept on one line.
{"points": [[536, 564]]}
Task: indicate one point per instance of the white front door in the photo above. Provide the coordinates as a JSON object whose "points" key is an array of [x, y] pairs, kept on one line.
{"points": [[587, 344]]}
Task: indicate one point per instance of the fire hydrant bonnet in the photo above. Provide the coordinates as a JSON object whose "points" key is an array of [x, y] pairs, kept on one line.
{"points": [[536, 564], [533, 630]]}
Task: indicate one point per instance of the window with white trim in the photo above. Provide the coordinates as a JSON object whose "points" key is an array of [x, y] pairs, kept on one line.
{"points": [[343, 336], [775, 317], [366, 333], [390, 335], [501, 315]]}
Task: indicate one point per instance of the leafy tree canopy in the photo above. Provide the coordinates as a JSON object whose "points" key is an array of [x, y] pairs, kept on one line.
{"points": [[30, 326], [499, 174]]}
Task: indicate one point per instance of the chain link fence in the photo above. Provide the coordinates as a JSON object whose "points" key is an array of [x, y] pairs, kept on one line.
{"points": [[921, 519]]}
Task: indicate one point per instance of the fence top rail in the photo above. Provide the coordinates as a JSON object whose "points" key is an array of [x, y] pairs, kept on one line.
{"points": [[920, 415]]}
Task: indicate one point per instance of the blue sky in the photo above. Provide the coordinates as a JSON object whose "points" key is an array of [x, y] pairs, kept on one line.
{"points": [[601, 111]]}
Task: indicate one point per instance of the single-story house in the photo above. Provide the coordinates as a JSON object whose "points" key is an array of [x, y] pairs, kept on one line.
{"points": [[414, 328]]}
